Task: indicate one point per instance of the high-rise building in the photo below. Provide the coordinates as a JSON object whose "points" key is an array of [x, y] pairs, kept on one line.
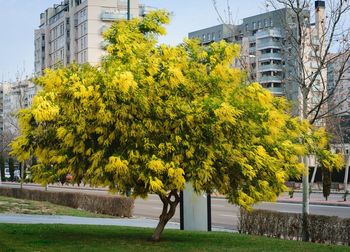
{"points": [[72, 30], [338, 77], [268, 52]]}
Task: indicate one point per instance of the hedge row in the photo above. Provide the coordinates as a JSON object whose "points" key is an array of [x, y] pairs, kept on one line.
{"points": [[322, 229], [103, 204]]}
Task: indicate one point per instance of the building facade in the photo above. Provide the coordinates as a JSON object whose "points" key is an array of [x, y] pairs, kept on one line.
{"points": [[338, 77], [72, 31], [268, 52], [13, 97]]}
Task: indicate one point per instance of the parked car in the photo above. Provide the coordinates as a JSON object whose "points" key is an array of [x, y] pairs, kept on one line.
{"points": [[17, 175], [7, 173]]}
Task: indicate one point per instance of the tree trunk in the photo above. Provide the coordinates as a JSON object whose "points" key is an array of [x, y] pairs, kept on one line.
{"points": [[305, 178], [169, 208], [346, 175], [306, 200]]}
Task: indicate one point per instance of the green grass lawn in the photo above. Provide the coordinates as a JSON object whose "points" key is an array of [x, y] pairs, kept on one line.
{"points": [[17, 237], [19, 206]]}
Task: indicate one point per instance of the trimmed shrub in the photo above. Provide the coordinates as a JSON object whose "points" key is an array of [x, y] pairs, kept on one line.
{"points": [[327, 182], [323, 229], [104, 204]]}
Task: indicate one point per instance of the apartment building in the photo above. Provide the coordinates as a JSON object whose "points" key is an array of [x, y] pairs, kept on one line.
{"points": [[71, 31], [268, 52], [338, 78], [13, 96]]}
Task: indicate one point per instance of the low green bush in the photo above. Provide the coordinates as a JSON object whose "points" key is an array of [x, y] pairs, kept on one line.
{"points": [[103, 204], [323, 229]]}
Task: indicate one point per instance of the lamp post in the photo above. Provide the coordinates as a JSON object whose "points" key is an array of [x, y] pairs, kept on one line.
{"points": [[128, 10]]}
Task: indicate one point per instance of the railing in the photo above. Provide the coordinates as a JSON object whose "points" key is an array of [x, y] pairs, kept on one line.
{"points": [[269, 33], [108, 16], [271, 67], [266, 56], [268, 44], [276, 90], [104, 44], [104, 28], [266, 79]]}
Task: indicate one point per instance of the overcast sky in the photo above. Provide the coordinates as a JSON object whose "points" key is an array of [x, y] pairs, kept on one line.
{"points": [[19, 18]]}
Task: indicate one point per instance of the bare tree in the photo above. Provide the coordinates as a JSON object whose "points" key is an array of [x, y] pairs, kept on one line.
{"points": [[315, 47], [313, 41], [16, 96]]}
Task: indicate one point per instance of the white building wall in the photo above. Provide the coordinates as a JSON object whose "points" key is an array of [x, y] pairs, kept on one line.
{"points": [[73, 31]]}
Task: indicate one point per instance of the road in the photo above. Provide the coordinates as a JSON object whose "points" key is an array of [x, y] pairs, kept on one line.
{"points": [[224, 215]]}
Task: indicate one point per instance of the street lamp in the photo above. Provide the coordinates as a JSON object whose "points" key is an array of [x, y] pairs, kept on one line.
{"points": [[128, 10]]}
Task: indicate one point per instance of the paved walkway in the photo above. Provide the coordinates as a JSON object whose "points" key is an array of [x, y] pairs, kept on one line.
{"points": [[62, 219], [316, 198]]}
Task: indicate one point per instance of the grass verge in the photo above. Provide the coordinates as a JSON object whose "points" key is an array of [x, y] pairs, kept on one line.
{"points": [[23, 237], [19, 206]]}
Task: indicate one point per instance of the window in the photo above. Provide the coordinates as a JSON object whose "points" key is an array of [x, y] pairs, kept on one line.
{"points": [[61, 29], [82, 15], [219, 35], [85, 28], [61, 54], [259, 25], [254, 25]]}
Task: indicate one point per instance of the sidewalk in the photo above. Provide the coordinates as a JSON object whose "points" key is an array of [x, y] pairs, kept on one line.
{"points": [[316, 198], [62, 219]]}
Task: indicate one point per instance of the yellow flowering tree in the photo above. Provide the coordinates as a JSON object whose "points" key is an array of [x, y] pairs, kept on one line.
{"points": [[153, 117]]}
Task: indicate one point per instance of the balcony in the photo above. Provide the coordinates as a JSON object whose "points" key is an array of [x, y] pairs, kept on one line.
{"points": [[276, 90], [111, 16], [104, 28], [268, 44], [251, 38], [251, 50], [269, 33], [273, 79], [144, 10], [104, 44], [270, 56], [271, 67]]}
